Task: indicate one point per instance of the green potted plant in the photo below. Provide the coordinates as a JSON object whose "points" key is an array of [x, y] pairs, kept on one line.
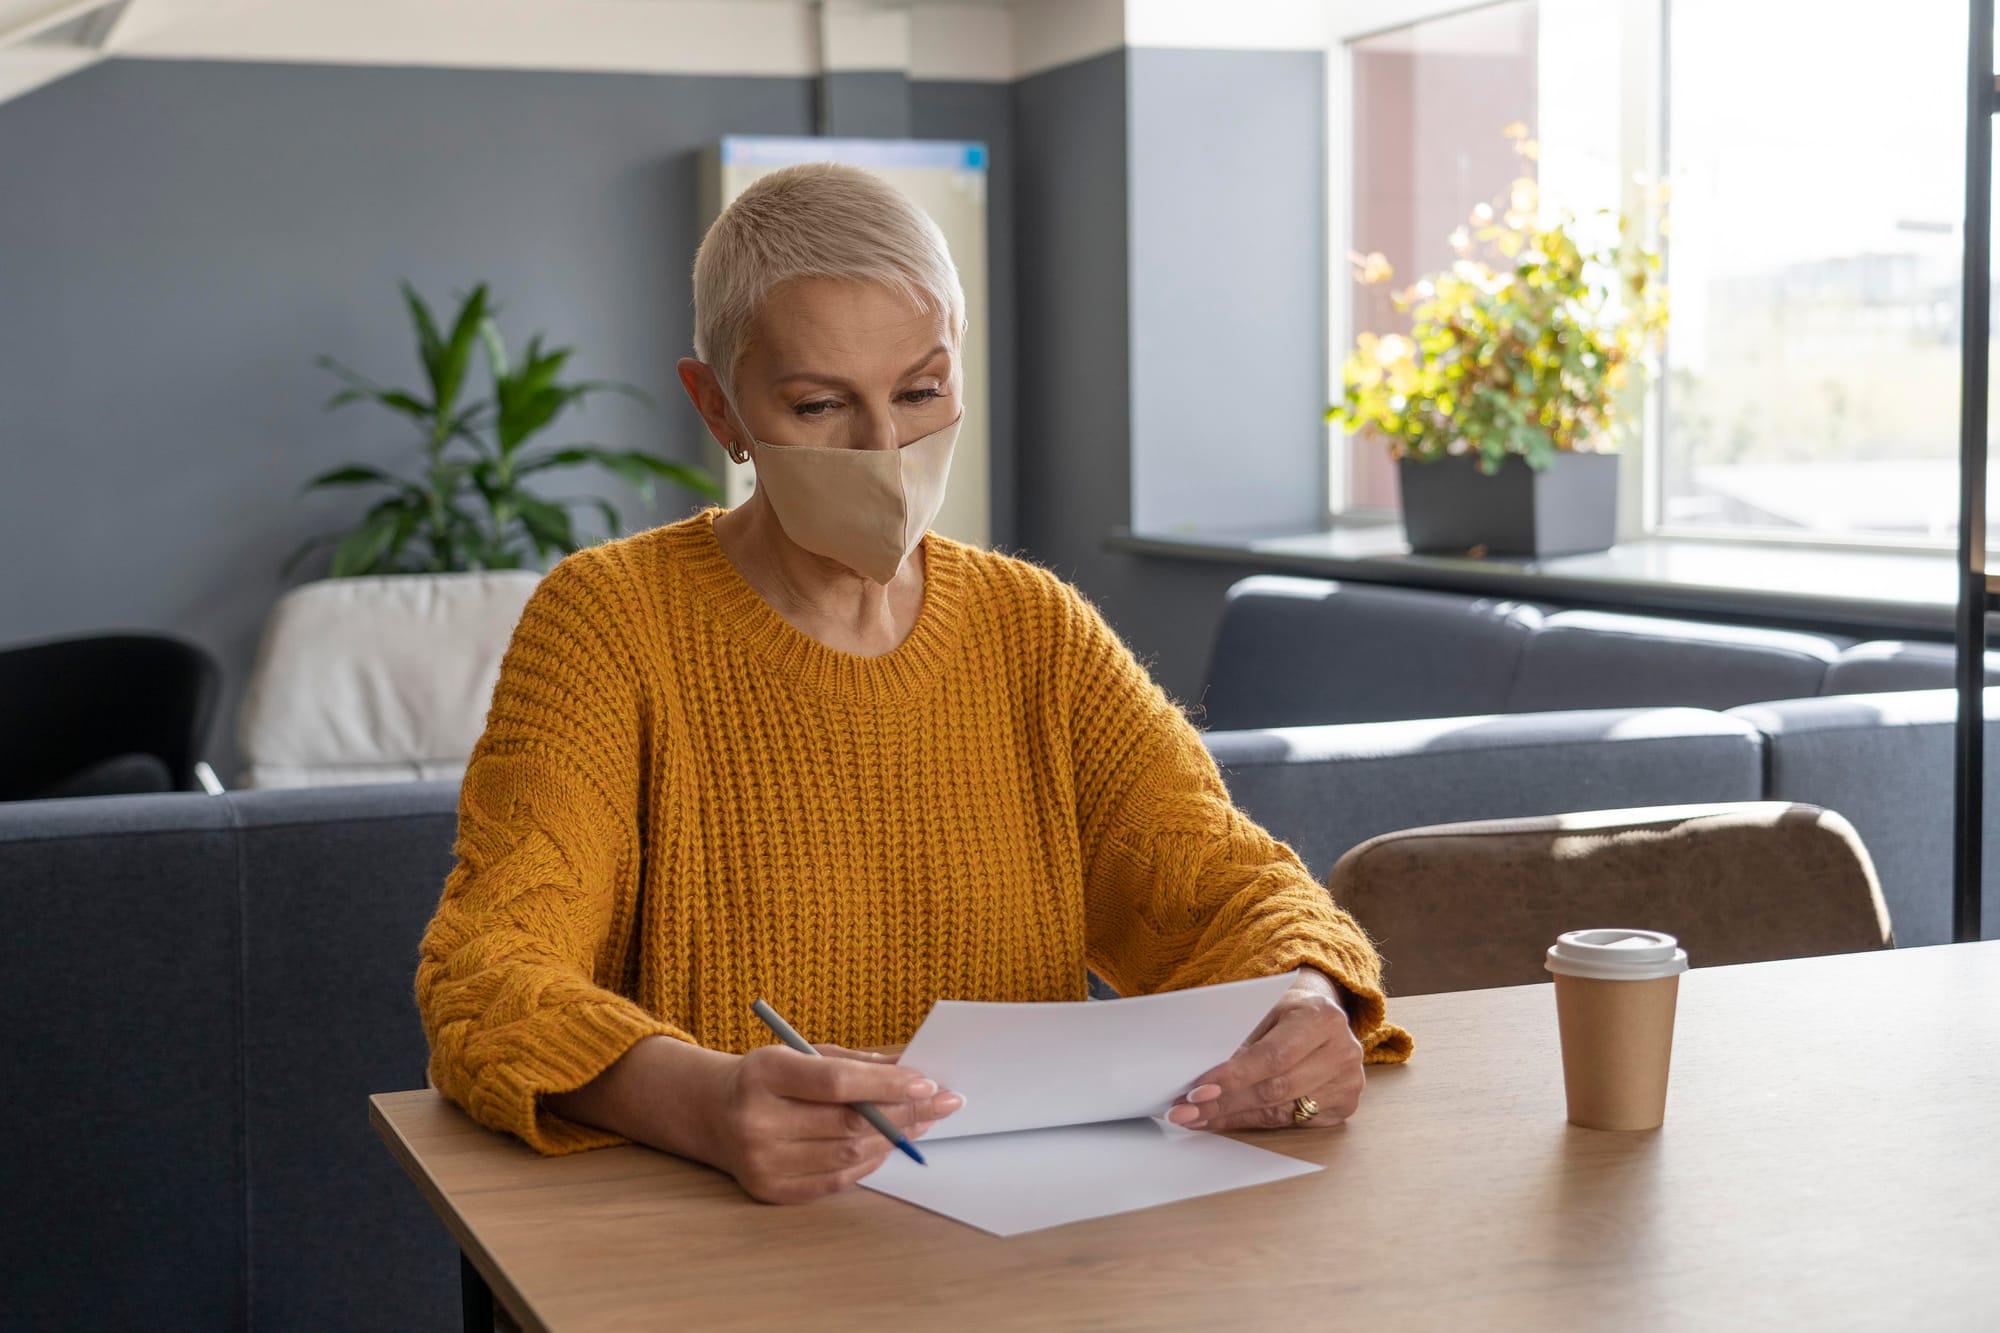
{"points": [[1522, 372], [471, 507]]}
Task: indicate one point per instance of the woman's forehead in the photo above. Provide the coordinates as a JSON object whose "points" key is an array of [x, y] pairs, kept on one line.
{"points": [[804, 323]]}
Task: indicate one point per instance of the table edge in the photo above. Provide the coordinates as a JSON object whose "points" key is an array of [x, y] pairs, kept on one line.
{"points": [[469, 1243]]}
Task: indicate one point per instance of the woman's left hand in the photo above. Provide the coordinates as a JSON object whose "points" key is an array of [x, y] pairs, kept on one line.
{"points": [[1304, 1047]]}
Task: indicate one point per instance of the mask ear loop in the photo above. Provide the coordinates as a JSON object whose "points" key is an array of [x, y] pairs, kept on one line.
{"points": [[730, 448]]}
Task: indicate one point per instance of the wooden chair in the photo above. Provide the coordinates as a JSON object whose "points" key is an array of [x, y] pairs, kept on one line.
{"points": [[1466, 906]]}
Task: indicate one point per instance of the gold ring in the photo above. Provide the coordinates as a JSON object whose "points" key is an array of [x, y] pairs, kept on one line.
{"points": [[1303, 1109]]}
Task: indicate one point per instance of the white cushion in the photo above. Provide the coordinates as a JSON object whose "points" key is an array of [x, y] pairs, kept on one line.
{"points": [[380, 678]]}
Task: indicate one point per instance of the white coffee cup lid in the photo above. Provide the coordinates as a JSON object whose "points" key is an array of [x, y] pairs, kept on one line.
{"points": [[1616, 954]]}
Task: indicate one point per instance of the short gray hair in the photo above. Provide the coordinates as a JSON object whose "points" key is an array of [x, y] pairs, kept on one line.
{"points": [[814, 220]]}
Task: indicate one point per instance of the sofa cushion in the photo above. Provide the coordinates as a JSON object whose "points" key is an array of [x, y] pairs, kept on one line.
{"points": [[376, 678], [339, 882], [1295, 652], [1885, 761], [1594, 659], [1889, 664], [205, 990]]}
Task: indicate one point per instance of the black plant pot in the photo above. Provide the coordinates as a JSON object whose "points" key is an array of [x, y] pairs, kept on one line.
{"points": [[1450, 507]]}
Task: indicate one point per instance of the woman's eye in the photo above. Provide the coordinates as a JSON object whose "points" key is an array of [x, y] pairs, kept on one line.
{"points": [[822, 406]]}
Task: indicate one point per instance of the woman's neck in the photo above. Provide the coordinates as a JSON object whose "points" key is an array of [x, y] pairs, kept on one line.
{"points": [[820, 597]]}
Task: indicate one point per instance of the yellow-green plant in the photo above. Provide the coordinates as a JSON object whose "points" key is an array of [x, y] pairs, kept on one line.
{"points": [[1532, 342]]}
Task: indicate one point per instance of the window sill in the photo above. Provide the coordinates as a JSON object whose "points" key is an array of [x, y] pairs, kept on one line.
{"points": [[1861, 592]]}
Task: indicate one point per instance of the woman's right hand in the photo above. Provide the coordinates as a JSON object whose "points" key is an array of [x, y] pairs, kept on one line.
{"points": [[782, 1129]]}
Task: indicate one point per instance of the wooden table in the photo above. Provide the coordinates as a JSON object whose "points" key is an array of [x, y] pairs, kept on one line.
{"points": [[1831, 1159]]}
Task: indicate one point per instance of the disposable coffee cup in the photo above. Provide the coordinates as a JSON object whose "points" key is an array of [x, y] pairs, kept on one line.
{"points": [[1615, 994]]}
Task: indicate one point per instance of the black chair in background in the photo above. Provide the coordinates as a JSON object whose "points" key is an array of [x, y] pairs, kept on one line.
{"points": [[104, 714]]}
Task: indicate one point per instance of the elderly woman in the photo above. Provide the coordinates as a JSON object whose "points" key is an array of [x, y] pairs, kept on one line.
{"points": [[807, 750]]}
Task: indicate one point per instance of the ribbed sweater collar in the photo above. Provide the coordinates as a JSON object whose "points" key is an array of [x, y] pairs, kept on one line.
{"points": [[789, 654]]}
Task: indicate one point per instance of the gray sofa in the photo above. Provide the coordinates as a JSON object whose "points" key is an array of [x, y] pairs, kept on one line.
{"points": [[202, 991], [1342, 711]]}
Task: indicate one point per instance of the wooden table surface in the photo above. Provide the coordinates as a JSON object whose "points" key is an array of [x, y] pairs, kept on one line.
{"points": [[1830, 1159]]}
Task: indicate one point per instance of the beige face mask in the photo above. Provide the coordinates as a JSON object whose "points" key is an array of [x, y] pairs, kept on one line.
{"points": [[866, 508]]}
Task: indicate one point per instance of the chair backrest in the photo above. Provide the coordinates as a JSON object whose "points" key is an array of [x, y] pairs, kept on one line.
{"points": [[103, 713], [1467, 906], [380, 678]]}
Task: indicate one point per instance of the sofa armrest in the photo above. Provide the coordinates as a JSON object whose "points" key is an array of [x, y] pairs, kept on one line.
{"points": [[1328, 788]]}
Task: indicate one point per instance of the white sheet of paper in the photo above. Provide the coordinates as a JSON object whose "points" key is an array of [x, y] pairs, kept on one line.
{"points": [[1024, 1066], [1059, 1098], [1034, 1178]]}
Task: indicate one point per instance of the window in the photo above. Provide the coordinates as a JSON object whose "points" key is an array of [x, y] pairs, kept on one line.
{"points": [[1812, 364], [1809, 383]]}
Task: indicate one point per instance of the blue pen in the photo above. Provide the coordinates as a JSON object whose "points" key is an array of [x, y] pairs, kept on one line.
{"points": [[804, 1047]]}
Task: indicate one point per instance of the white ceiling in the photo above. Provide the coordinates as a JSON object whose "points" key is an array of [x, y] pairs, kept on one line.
{"points": [[41, 40], [975, 40]]}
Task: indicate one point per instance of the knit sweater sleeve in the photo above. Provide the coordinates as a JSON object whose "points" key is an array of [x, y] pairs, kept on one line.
{"points": [[517, 968], [1180, 887]]}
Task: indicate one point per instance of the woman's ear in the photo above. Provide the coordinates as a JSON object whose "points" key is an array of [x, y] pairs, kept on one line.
{"points": [[705, 392]]}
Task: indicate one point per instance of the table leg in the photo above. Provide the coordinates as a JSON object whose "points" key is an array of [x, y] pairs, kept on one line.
{"points": [[476, 1296]]}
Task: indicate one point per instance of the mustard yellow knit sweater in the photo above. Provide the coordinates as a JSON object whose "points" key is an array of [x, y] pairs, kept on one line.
{"points": [[681, 803]]}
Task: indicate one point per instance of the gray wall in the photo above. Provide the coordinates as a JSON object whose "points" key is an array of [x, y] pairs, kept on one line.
{"points": [[179, 240], [1075, 416], [1076, 440], [870, 103], [1171, 279], [1228, 275]]}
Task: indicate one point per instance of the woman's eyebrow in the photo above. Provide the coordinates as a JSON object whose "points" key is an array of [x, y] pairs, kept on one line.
{"points": [[818, 378]]}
